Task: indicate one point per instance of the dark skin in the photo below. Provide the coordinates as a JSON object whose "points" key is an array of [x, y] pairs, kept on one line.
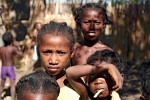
{"points": [[92, 27], [6, 55], [39, 96]]}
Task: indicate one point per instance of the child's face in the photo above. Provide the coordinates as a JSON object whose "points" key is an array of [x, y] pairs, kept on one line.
{"points": [[91, 23], [54, 53], [38, 26], [98, 84], [38, 96]]}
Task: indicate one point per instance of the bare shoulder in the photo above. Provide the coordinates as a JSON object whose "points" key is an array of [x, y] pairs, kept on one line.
{"points": [[102, 46], [76, 46]]}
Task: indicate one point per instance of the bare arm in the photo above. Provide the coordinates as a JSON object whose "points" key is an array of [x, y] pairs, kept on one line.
{"points": [[73, 76], [78, 71], [18, 51]]}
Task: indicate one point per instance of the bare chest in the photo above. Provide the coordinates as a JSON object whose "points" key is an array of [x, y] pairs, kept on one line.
{"points": [[82, 54]]}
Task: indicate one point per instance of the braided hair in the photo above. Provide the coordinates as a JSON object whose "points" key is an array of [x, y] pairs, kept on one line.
{"points": [[79, 12], [59, 29], [37, 82]]}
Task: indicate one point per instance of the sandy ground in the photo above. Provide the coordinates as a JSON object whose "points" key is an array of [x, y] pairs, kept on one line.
{"points": [[21, 71]]}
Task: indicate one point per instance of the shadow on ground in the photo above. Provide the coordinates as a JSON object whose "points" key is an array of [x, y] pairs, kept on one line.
{"points": [[6, 93], [132, 86]]}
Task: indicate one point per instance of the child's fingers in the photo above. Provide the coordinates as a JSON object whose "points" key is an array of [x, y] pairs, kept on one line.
{"points": [[118, 84]]}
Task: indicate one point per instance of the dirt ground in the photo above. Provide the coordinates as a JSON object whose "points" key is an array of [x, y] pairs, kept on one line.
{"points": [[131, 89]]}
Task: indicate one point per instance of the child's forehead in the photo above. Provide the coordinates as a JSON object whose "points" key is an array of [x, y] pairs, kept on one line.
{"points": [[53, 39], [56, 35], [85, 10]]}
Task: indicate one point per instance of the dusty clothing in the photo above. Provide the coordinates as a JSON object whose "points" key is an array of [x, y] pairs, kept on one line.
{"points": [[8, 71], [66, 93]]}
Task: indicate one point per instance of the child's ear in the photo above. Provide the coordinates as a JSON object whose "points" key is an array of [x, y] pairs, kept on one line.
{"points": [[72, 54]]}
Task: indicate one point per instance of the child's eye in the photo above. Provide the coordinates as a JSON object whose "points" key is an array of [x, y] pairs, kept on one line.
{"points": [[86, 22], [97, 83], [46, 52], [61, 53], [97, 22]]}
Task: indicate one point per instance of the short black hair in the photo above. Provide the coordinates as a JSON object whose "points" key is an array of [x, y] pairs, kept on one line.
{"points": [[59, 29], [37, 82], [7, 38], [79, 12], [145, 83], [106, 56]]}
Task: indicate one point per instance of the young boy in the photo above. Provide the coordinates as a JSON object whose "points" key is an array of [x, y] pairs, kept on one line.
{"points": [[97, 80], [145, 83], [37, 86], [92, 19], [7, 52], [55, 43]]}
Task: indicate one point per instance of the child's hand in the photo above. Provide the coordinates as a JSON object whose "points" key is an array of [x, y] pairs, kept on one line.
{"points": [[115, 74]]}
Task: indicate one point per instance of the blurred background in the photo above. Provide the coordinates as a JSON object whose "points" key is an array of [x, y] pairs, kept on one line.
{"points": [[129, 35]]}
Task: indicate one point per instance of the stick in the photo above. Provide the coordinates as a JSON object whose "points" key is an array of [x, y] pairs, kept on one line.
{"points": [[97, 93]]}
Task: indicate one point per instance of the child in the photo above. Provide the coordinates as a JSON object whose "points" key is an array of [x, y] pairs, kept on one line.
{"points": [[54, 47], [96, 80], [37, 85], [37, 27], [92, 19], [55, 43], [7, 52], [145, 82]]}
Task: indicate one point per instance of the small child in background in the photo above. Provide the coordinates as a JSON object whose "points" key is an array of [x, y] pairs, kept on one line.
{"points": [[37, 86], [97, 80], [7, 53], [36, 28], [145, 83]]}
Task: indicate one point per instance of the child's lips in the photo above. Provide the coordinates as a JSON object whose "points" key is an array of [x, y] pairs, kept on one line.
{"points": [[98, 92], [91, 33], [53, 69], [99, 89]]}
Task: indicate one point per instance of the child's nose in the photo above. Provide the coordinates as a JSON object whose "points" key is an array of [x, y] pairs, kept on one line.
{"points": [[53, 59], [91, 25]]}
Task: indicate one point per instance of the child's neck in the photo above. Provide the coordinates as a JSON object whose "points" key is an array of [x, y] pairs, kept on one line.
{"points": [[90, 43], [61, 74], [61, 78]]}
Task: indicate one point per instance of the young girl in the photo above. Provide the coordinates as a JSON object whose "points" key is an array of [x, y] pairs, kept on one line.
{"points": [[92, 19], [37, 86], [55, 43], [97, 80], [54, 47]]}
